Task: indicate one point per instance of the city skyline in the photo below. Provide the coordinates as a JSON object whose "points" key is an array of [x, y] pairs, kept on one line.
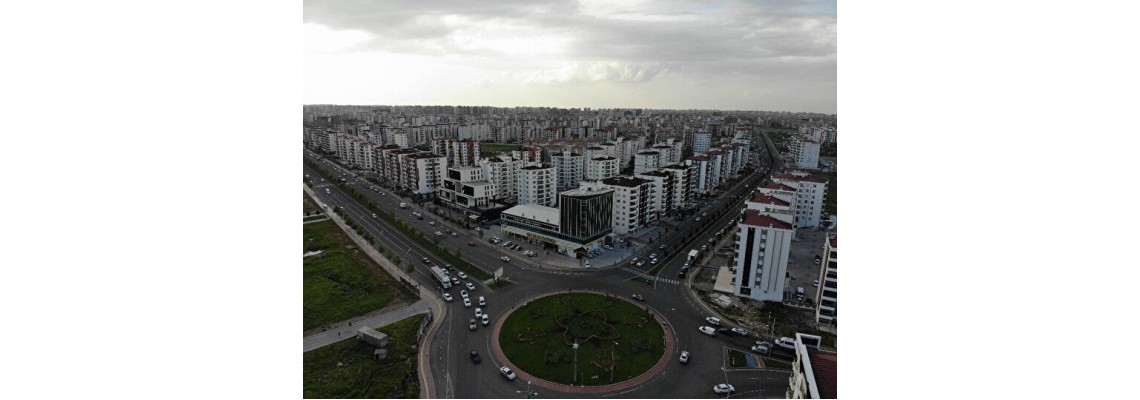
{"points": [[632, 54]]}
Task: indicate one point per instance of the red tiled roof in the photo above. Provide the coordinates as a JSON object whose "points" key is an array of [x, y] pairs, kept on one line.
{"points": [[823, 369], [778, 186], [755, 218], [831, 238], [766, 199]]}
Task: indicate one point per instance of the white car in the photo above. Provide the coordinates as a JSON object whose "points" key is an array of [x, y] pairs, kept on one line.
{"points": [[740, 331], [432, 223], [447, 297], [478, 312], [713, 321], [761, 349], [454, 234], [708, 330], [486, 320], [653, 261], [684, 357], [463, 293], [477, 229], [505, 258], [787, 343], [462, 275], [507, 373], [438, 233], [472, 325], [723, 388], [816, 283], [470, 286], [467, 302], [482, 301]]}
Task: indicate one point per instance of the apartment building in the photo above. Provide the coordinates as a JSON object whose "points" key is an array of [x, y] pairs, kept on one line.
{"points": [[503, 172], [702, 142], [762, 249], [811, 194], [570, 168], [805, 151], [826, 293], [631, 202], [467, 188], [463, 153], [661, 195], [683, 178], [601, 168], [421, 173], [537, 185], [645, 161]]}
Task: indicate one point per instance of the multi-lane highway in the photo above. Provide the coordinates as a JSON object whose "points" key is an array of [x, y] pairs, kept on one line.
{"points": [[457, 377]]}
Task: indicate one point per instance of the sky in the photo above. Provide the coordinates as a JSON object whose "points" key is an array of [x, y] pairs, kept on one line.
{"points": [[776, 55]]}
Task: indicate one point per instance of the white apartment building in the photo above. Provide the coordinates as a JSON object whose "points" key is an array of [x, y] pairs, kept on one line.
{"points": [[422, 173], [528, 154], [466, 187], [762, 248], [814, 371], [593, 152], [537, 185], [805, 151], [716, 168], [683, 184], [570, 169], [661, 196], [601, 168], [458, 152], [811, 194], [503, 172], [700, 172], [400, 139], [645, 161], [826, 293], [630, 202], [702, 142]]}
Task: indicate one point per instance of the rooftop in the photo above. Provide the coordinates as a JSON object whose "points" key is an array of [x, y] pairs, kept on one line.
{"points": [[657, 172], [648, 153], [800, 178], [766, 199], [585, 191], [778, 186], [676, 166], [533, 167], [755, 218], [625, 181], [823, 369], [604, 158], [831, 239], [535, 212]]}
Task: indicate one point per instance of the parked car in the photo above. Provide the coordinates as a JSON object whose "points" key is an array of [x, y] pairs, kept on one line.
{"points": [[684, 357], [482, 301], [486, 320], [713, 321], [507, 373], [724, 330], [761, 349], [816, 283], [454, 234], [475, 357], [787, 343], [763, 343], [723, 388], [467, 302], [505, 258], [447, 297], [462, 275], [432, 223], [463, 294], [638, 297], [478, 312], [740, 331], [472, 325], [653, 261], [427, 261], [438, 233], [469, 286], [477, 229], [708, 330]]}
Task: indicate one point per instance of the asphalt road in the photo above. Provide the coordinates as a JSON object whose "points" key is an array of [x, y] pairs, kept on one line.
{"points": [[457, 377]]}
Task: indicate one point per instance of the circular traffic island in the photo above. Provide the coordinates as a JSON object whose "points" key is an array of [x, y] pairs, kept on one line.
{"points": [[618, 341]]}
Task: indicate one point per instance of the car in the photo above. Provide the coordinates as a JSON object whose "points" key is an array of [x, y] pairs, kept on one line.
{"points": [[381, 193], [653, 261], [507, 373], [684, 357], [505, 258], [654, 255], [587, 263], [482, 301], [713, 321], [432, 223], [467, 302], [787, 343], [478, 312], [708, 330], [724, 330], [486, 320], [477, 229], [463, 293], [816, 283], [640, 263], [447, 297], [472, 325], [723, 388], [453, 234], [462, 275], [698, 219], [373, 216], [438, 233], [761, 349], [638, 297], [469, 286], [427, 261], [661, 247], [475, 357], [763, 343], [740, 331]]}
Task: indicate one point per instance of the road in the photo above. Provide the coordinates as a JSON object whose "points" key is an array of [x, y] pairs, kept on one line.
{"points": [[456, 377]]}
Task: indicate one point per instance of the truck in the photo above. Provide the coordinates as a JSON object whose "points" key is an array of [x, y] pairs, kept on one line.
{"points": [[693, 255], [441, 277]]}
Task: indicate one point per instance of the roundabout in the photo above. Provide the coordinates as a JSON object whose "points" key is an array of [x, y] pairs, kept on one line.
{"points": [[583, 342]]}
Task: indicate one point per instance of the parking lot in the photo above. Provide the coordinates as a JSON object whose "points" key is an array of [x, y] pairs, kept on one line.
{"points": [[801, 265]]}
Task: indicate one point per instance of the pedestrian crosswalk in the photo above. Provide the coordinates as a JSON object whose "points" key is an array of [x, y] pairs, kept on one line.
{"points": [[642, 274]]}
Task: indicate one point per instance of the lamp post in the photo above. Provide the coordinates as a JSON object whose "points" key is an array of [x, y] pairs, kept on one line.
{"points": [[613, 361], [575, 346], [726, 393]]}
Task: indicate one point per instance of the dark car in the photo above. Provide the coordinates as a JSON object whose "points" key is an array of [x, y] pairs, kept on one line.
{"points": [[475, 357]]}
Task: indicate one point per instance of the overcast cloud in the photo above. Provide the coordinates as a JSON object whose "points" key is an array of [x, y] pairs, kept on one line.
{"points": [[769, 55]]}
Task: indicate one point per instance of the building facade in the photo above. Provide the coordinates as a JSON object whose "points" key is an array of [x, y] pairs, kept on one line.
{"points": [[811, 195], [631, 203], [826, 305], [537, 185], [570, 168], [762, 249]]}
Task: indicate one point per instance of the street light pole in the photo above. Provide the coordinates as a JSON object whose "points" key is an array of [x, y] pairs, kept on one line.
{"points": [[575, 346], [613, 361]]}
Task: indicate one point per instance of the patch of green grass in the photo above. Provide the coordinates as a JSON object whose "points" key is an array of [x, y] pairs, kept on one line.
{"points": [[776, 364], [310, 207], [533, 339], [360, 376], [736, 359], [342, 283]]}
